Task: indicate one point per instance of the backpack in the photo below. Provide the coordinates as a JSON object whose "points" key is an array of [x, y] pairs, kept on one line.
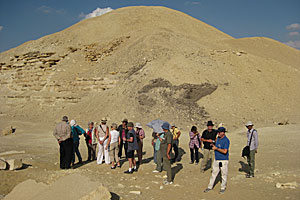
{"points": [[246, 149]]}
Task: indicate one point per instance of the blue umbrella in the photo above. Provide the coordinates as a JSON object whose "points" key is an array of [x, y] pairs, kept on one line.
{"points": [[156, 125]]}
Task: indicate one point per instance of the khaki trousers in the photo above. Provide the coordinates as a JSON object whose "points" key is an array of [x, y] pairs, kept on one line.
{"points": [[251, 162], [159, 161], [215, 172], [207, 154], [114, 151]]}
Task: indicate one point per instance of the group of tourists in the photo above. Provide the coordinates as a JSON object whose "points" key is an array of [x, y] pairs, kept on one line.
{"points": [[111, 142]]}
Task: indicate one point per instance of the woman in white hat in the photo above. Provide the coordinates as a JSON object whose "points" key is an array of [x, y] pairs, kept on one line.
{"points": [[102, 134], [140, 135]]}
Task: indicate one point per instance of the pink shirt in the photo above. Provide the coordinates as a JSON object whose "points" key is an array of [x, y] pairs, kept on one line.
{"points": [[141, 132], [194, 140]]}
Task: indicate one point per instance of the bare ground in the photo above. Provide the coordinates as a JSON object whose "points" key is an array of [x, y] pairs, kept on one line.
{"points": [[277, 161]]}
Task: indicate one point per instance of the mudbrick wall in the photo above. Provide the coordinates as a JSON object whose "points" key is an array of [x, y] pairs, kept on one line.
{"points": [[29, 75]]}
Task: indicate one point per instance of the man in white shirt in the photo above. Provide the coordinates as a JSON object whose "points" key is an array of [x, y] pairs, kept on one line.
{"points": [[252, 142]]}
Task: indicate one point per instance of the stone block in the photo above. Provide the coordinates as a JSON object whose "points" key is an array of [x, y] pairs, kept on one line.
{"points": [[14, 164]]}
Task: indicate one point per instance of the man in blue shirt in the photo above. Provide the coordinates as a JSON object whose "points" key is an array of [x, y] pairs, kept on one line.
{"points": [[221, 160]]}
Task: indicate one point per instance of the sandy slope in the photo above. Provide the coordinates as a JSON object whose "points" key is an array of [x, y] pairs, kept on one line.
{"points": [[104, 65], [278, 154]]}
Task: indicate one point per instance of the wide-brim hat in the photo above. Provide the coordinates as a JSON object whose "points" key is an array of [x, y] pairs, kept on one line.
{"points": [[210, 123], [249, 124], [166, 126], [138, 125], [104, 119], [125, 120]]}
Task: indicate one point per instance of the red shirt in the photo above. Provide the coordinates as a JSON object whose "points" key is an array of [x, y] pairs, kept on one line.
{"points": [[123, 133], [89, 133]]}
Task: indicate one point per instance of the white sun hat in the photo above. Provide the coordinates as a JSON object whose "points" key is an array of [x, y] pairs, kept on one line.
{"points": [[249, 123], [138, 125], [72, 122]]}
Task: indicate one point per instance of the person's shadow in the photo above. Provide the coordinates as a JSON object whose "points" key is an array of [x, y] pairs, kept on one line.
{"points": [[218, 179], [176, 169], [82, 164], [244, 167], [147, 160], [181, 152], [200, 155]]}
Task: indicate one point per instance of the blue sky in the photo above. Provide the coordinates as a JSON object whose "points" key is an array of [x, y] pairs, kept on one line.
{"points": [[23, 20]]}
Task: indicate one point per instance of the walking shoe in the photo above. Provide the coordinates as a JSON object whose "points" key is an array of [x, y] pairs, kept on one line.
{"points": [[128, 172], [119, 166], [197, 163], [156, 171], [113, 167], [207, 190], [80, 162], [135, 170], [167, 182], [222, 191], [249, 176], [191, 162]]}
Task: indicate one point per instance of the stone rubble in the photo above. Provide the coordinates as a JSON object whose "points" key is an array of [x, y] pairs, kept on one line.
{"points": [[290, 185], [14, 164]]}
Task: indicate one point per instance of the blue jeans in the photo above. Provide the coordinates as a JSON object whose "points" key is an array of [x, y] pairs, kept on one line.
{"points": [[76, 150]]}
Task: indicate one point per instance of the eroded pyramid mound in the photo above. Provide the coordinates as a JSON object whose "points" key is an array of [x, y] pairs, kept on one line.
{"points": [[150, 62]]}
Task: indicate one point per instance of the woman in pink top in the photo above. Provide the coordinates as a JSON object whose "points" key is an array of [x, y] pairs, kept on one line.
{"points": [[194, 144], [140, 133]]}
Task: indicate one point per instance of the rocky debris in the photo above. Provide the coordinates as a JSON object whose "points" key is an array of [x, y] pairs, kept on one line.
{"points": [[276, 173], [135, 192], [83, 84], [291, 185], [237, 53], [14, 164], [72, 49], [284, 122], [11, 153], [26, 190], [96, 52], [161, 93], [8, 130], [3, 164], [62, 188], [100, 193], [30, 59]]}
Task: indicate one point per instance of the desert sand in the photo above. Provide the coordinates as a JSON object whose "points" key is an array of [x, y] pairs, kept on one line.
{"points": [[145, 63], [276, 162]]}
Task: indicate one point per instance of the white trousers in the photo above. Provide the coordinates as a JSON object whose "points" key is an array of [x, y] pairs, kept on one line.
{"points": [[103, 152], [215, 171]]}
